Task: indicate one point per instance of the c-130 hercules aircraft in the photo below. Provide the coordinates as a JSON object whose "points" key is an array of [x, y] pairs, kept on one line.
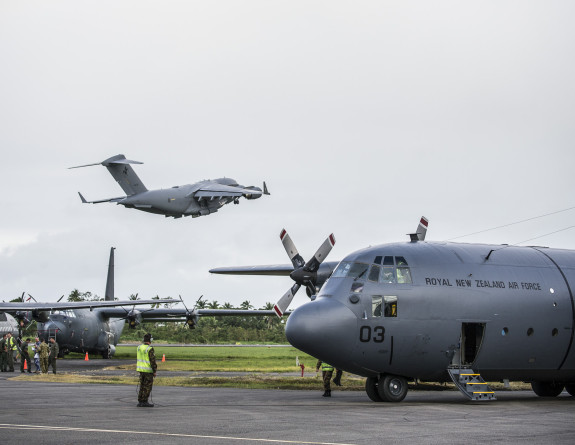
{"points": [[431, 311], [198, 199]]}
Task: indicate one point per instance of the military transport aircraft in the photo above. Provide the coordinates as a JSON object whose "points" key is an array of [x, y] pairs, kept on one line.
{"points": [[96, 326], [87, 326], [431, 311], [199, 199]]}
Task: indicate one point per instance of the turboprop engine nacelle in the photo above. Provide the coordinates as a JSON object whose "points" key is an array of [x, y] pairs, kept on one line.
{"points": [[41, 316], [134, 318]]}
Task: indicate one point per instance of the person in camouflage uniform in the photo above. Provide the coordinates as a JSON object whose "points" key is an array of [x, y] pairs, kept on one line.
{"points": [[44, 351], [54, 350], [10, 347], [146, 366], [326, 372], [3, 356], [25, 356]]}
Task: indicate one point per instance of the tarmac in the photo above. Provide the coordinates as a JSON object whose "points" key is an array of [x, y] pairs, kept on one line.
{"points": [[60, 413]]}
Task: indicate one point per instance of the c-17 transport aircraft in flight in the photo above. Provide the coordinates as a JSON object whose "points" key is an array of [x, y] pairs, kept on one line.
{"points": [[198, 199], [431, 311]]}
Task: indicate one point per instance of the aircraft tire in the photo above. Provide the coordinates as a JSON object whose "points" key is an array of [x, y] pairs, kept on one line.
{"points": [[371, 384], [570, 388], [392, 388], [547, 389]]}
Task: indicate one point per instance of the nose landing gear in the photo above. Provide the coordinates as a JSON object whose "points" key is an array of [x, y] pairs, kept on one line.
{"points": [[386, 388]]}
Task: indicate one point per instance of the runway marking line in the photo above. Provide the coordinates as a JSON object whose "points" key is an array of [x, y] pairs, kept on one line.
{"points": [[152, 433]]}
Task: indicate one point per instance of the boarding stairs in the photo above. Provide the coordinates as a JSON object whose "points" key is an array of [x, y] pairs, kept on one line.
{"points": [[471, 384]]}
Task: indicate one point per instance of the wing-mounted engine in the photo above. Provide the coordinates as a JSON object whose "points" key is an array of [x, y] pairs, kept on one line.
{"points": [[24, 318], [192, 319], [257, 192], [134, 318], [304, 273]]}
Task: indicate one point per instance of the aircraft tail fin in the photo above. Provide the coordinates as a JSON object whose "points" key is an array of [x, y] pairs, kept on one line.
{"points": [[419, 234], [120, 168], [109, 296]]}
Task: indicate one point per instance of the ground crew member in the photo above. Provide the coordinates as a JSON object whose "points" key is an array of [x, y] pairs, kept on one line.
{"points": [[326, 373], [3, 356], [44, 351], [54, 349], [146, 366], [337, 378], [25, 356], [10, 347], [36, 349]]}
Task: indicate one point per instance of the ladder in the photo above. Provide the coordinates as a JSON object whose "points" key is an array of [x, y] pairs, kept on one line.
{"points": [[471, 384]]}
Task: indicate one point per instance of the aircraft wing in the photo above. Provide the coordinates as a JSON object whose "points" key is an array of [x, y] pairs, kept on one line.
{"points": [[14, 307], [272, 269], [215, 190], [180, 314]]}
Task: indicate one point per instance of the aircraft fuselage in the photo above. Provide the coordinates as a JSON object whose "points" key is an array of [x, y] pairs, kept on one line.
{"points": [[415, 309], [82, 330], [178, 201]]}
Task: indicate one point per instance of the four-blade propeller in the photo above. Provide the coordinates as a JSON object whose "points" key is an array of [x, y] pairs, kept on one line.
{"points": [[305, 273]]}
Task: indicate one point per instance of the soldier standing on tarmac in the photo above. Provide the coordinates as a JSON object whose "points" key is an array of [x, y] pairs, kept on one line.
{"points": [[25, 356], [3, 356], [44, 351], [326, 372], [54, 350], [146, 366], [10, 347]]}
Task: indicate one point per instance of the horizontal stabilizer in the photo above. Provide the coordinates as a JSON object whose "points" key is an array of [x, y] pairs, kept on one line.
{"points": [[119, 168], [85, 201]]}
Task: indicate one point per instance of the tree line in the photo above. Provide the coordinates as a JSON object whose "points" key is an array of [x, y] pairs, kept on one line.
{"points": [[209, 330]]}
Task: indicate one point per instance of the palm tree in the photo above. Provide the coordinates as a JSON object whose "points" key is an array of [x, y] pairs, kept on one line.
{"points": [[246, 305]]}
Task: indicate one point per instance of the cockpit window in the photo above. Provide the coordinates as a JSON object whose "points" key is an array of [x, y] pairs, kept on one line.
{"points": [[390, 309], [403, 272], [374, 272], [352, 270], [383, 306], [392, 270], [376, 302], [388, 274]]}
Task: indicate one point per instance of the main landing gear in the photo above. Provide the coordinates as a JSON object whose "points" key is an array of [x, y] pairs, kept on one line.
{"points": [[551, 389], [386, 388]]}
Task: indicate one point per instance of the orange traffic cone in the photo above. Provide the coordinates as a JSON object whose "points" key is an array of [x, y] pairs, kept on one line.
{"points": [[164, 357], [25, 365], [86, 358]]}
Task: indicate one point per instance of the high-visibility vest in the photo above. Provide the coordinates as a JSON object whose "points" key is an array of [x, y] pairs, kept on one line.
{"points": [[12, 344], [143, 364], [326, 367]]}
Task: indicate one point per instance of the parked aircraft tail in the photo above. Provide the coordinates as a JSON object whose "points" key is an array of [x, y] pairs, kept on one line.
{"points": [[109, 296], [419, 234], [120, 168]]}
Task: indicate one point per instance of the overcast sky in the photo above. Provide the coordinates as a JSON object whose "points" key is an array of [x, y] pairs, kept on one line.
{"points": [[360, 115]]}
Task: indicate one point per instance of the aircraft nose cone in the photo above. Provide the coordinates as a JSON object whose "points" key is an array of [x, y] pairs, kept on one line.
{"points": [[325, 329]]}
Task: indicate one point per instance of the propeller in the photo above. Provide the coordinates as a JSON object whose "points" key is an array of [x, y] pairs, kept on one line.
{"points": [[191, 317], [304, 273]]}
